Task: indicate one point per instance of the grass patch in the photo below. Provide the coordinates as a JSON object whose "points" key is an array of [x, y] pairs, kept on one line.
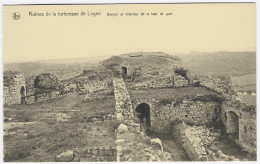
{"points": [[42, 140]]}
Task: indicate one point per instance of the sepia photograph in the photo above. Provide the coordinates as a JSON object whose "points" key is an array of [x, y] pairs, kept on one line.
{"points": [[171, 82]]}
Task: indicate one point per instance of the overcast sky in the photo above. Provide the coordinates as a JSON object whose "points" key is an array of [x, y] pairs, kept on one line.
{"points": [[192, 27]]}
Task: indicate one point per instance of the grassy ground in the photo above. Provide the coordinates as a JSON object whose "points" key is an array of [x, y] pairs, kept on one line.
{"points": [[170, 93], [38, 132]]}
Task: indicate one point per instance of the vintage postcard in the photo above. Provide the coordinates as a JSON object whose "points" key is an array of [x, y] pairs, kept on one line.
{"points": [[129, 82]]}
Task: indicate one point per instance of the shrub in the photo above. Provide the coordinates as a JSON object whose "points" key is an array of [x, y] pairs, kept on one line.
{"points": [[182, 72]]}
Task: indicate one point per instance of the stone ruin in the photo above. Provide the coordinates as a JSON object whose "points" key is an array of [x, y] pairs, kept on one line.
{"points": [[188, 119], [46, 81], [131, 68], [21, 90], [14, 89]]}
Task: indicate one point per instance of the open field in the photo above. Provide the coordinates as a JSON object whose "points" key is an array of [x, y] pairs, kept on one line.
{"points": [[38, 132]]}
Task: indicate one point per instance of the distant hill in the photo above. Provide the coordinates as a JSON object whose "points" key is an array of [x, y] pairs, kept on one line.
{"points": [[57, 67], [233, 63], [89, 60]]}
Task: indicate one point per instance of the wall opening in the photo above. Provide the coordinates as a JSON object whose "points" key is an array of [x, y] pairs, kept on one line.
{"points": [[232, 124], [143, 113], [124, 72], [36, 81], [22, 92]]}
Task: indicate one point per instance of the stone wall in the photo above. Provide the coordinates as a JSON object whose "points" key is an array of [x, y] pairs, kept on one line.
{"points": [[158, 82], [168, 81], [239, 118], [180, 81], [216, 85], [179, 133], [124, 110], [131, 143], [14, 90], [163, 112], [91, 86], [199, 143], [240, 123], [95, 154]]}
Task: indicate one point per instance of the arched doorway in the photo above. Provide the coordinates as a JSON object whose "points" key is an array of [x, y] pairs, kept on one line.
{"points": [[143, 113], [232, 124], [124, 72], [22, 92]]}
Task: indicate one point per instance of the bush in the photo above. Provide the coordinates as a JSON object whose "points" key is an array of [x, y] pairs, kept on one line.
{"points": [[182, 72]]}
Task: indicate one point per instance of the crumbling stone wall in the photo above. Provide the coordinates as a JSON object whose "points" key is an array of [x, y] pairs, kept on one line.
{"points": [[239, 118], [180, 81], [158, 82], [179, 133], [124, 110], [199, 143], [95, 154], [14, 89], [216, 85], [240, 122], [91, 86], [164, 112], [168, 81], [30, 90]]}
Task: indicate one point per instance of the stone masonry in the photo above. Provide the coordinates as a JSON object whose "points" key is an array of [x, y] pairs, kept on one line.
{"points": [[131, 144], [124, 111], [200, 143], [15, 90]]}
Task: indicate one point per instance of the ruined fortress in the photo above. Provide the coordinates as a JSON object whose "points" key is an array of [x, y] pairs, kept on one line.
{"points": [[142, 84]]}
